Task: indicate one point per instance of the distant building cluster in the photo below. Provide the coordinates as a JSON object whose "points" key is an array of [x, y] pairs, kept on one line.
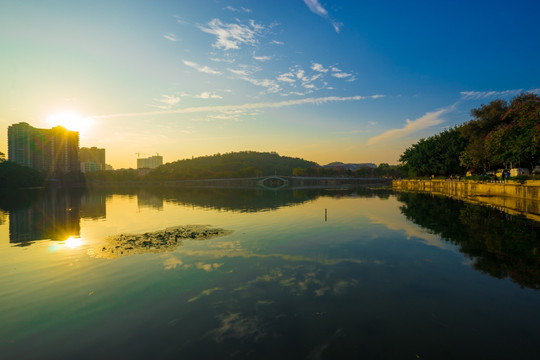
{"points": [[52, 151], [92, 159], [150, 163]]}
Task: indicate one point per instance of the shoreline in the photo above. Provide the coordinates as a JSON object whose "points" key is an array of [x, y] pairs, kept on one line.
{"points": [[511, 197]]}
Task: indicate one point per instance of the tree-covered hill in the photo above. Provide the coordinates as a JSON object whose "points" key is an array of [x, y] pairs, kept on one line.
{"points": [[230, 165]]}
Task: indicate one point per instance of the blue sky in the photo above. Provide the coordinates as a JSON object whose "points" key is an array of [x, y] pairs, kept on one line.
{"points": [[351, 81]]}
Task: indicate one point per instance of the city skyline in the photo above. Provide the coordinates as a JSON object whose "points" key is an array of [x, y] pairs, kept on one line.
{"points": [[326, 81]]}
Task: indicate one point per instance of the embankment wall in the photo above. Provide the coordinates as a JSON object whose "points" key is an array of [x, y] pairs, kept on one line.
{"points": [[529, 190], [510, 197]]}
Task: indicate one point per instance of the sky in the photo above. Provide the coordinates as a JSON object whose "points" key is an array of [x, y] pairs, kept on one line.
{"points": [[347, 80]]}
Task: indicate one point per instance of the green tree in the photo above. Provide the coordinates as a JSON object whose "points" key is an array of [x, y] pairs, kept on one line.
{"points": [[485, 119], [436, 155]]}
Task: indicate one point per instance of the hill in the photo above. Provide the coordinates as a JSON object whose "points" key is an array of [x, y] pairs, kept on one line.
{"points": [[230, 165]]}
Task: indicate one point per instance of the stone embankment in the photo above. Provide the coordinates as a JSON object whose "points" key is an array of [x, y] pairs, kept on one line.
{"points": [[509, 196]]}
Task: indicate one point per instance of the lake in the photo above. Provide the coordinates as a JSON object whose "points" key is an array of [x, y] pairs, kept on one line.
{"points": [[299, 274]]}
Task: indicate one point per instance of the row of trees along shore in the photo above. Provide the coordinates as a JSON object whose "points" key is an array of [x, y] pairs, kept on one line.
{"points": [[500, 135]]}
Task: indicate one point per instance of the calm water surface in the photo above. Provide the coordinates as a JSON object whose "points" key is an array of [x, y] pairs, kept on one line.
{"points": [[381, 276]]}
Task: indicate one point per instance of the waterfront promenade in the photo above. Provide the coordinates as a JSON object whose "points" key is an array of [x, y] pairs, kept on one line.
{"points": [[510, 196]]}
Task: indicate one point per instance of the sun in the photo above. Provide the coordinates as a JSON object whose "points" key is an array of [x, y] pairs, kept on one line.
{"points": [[70, 120]]}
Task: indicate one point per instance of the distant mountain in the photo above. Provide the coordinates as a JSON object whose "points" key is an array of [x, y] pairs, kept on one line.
{"points": [[230, 165], [353, 167]]}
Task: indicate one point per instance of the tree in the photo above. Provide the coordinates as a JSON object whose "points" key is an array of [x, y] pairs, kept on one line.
{"points": [[2, 157], [436, 155], [485, 119], [517, 140]]}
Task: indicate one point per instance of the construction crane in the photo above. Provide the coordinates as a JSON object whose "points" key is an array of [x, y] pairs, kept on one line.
{"points": [[139, 154]]}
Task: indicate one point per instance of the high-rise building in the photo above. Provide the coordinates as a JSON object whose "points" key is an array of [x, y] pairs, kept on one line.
{"points": [[50, 151], [92, 159], [150, 163]]}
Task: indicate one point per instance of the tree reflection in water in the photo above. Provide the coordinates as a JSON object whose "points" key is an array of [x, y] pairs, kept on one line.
{"points": [[498, 244]]}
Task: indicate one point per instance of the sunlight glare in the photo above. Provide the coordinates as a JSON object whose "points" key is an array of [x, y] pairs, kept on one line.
{"points": [[73, 243], [70, 120]]}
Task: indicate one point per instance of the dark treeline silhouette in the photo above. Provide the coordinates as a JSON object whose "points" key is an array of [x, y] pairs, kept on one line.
{"points": [[383, 170], [499, 244], [499, 135], [13, 176], [16, 176]]}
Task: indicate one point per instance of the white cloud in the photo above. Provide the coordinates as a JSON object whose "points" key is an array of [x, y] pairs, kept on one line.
{"points": [[428, 120], [251, 106], [231, 36], [275, 42], [341, 75], [287, 77], [230, 61], [168, 101], [178, 20], [239, 72], [200, 68], [271, 85], [317, 8], [242, 9], [337, 26], [208, 95], [262, 58], [171, 37], [476, 95], [318, 67]]}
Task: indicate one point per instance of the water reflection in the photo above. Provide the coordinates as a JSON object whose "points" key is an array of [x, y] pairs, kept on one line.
{"points": [[56, 214], [52, 214], [254, 200], [499, 244]]}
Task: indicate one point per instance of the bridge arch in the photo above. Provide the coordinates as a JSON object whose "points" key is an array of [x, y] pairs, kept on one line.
{"points": [[274, 178]]}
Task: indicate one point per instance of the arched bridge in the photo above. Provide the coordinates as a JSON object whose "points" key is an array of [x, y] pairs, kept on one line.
{"points": [[273, 182]]}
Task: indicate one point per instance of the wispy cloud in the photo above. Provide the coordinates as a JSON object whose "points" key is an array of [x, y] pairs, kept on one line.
{"points": [[262, 58], [167, 101], [239, 72], [318, 9], [340, 74], [279, 104], [242, 9], [231, 36], [477, 95], [171, 37], [428, 120], [178, 20], [318, 67], [246, 73], [287, 77], [201, 68], [271, 85], [208, 95]]}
